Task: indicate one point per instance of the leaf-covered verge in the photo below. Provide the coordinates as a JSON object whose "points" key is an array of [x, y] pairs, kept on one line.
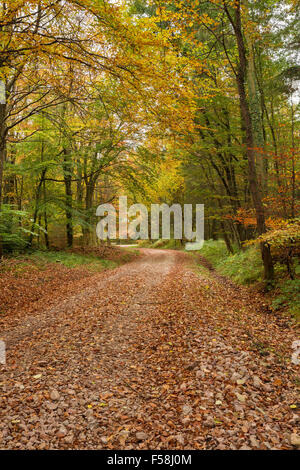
{"points": [[245, 267], [26, 278]]}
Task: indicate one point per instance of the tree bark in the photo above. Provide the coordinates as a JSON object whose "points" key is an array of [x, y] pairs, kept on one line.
{"points": [[36, 209], [69, 201], [246, 121], [3, 132]]}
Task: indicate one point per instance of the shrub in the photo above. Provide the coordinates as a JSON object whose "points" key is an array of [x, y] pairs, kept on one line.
{"points": [[13, 234]]}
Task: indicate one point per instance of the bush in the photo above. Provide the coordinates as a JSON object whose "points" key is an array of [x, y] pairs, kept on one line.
{"points": [[284, 241], [13, 234]]}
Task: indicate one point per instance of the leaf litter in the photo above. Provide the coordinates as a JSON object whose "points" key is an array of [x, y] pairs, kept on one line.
{"points": [[147, 356]]}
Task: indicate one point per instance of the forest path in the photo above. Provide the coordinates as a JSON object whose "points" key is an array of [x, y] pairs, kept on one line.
{"points": [[150, 355]]}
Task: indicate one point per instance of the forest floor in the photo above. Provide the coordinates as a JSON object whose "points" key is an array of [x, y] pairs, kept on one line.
{"points": [[151, 355]]}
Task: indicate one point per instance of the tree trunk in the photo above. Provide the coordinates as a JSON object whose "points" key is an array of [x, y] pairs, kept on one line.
{"points": [[255, 112], [67, 167], [226, 239], [249, 140], [2, 157], [86, 230], [45, 217], [36, 209]]}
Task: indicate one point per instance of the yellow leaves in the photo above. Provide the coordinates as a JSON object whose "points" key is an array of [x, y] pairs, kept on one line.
{"points": [[289, 234], [36, 377], [101, 405]]}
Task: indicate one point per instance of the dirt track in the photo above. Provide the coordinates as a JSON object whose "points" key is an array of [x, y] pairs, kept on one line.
{"points": [[150, 356]]}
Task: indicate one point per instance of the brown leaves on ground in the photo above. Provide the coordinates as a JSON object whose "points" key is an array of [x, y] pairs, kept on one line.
{"points": [[25, 289], [109, 252], [149, 356]]}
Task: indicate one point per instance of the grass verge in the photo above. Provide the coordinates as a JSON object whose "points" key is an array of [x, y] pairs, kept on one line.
{"points": [[162, 244], [92, 260], [72, 260]]}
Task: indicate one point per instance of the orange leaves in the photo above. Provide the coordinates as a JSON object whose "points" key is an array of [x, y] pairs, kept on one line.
{"points": [[243, 216]]}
